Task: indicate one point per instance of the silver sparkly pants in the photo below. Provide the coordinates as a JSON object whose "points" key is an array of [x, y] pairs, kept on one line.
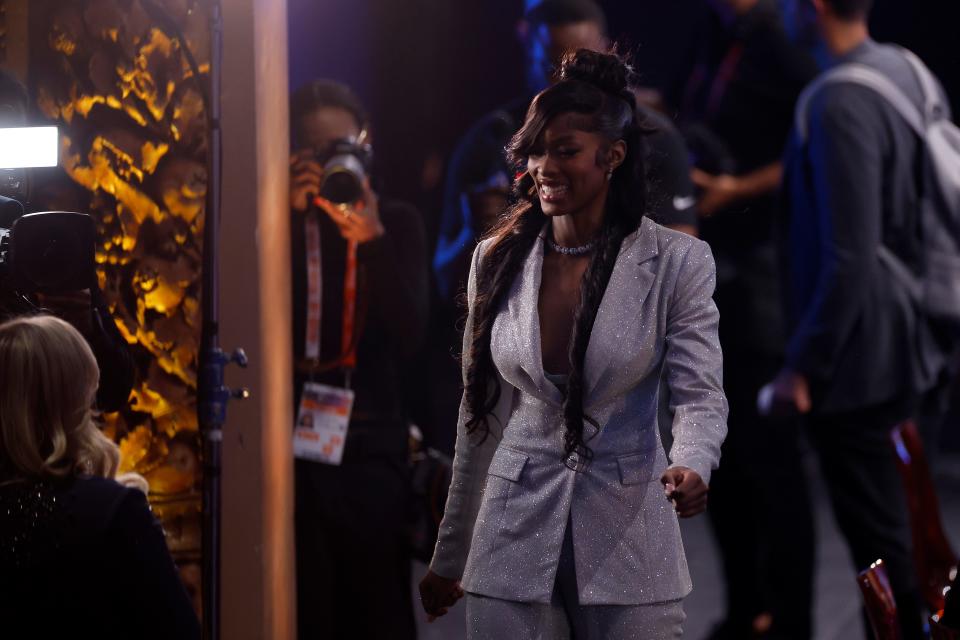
{"points": [[564, 618]]}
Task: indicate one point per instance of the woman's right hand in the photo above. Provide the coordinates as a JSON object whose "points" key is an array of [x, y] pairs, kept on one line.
{"points": [[438, 594], [306, 174]]}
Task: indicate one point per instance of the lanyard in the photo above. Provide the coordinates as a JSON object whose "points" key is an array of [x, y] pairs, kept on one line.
{"points": [[348, 343], [348, 346], [314, 287]]}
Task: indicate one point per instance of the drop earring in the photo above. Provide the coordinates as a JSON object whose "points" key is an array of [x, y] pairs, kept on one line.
{"points": [[609, 174]]}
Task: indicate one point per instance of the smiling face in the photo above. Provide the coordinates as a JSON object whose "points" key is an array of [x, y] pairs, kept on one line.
{"points": [[569, 167]]}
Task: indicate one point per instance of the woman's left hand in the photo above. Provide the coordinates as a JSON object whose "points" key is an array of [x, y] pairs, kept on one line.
{"points": [[360, 221], [686, 490], [438, 594]]}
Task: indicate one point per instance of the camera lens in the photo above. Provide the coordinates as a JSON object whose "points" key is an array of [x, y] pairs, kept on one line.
{"points": [[343, 177], [342, 187]]}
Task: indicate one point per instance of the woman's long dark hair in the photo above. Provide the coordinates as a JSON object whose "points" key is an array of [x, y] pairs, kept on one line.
{"points": [[595, 87]]}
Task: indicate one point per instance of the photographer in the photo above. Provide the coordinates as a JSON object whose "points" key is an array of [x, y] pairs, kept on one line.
{"points": [[84, 308], [359, 270]]}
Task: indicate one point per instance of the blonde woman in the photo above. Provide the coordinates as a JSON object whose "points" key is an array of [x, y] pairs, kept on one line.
{"points": [[79, 552]]}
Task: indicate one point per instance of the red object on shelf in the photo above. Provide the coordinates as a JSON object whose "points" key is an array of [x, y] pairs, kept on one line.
{"points": [[933, 559], [879, 602]]}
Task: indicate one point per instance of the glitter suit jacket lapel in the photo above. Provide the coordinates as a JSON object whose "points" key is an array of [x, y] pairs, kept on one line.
{"points": [[629, 285], [618, 314]]}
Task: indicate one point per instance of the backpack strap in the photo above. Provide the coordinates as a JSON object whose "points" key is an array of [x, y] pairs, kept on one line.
{"points": [[932, 101], [865, 76]]}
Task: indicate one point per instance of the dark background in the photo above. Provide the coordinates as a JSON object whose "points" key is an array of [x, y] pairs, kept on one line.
{"points": [[427, 69]]}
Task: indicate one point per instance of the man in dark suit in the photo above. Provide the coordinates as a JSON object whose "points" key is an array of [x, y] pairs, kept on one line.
{"points": [[859, 357]]}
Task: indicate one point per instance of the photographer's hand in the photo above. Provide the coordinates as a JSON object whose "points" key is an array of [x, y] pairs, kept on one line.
{"points": [[306, 174], [360, 221]]}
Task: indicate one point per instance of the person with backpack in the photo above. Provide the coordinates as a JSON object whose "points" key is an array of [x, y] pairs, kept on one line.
{"points": [[869, 236]]}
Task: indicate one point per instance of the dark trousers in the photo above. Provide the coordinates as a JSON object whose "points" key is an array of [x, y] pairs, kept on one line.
{"points": [[857, 462], [353, 561], [760, 509]]}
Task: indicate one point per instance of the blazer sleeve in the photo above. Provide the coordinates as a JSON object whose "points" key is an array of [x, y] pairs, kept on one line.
{"points": [[471, 460], [845, 159], [694, 366], [148, 585]]}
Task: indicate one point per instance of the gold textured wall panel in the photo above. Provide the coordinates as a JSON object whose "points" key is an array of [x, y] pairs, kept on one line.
{"points": [[133, 155]]}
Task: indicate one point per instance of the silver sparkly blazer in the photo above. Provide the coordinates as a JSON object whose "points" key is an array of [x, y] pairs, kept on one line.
{"points": [[512, 494]]}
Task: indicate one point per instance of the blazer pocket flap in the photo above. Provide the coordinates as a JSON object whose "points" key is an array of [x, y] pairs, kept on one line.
{"points": [[508, 464], [637, 468]]}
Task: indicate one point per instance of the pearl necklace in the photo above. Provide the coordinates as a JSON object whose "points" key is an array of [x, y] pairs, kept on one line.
{"points": [[571, 251]]}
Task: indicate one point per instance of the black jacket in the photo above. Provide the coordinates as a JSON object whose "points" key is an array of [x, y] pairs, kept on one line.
{"points": [[391, 315], [85, 558]]}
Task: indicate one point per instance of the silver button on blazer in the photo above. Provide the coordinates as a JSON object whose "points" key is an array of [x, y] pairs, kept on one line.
{"points": [[512, 494]]}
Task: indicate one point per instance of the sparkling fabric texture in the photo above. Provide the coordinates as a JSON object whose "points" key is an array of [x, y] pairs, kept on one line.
{"points": [[512, 495], [564, 617], [27, 513], [495, 619]]}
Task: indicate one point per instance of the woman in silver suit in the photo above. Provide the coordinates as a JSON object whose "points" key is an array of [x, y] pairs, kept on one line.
{"points": [[562, 515]]}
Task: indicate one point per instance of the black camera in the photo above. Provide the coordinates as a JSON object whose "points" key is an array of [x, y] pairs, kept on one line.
{"points": [[346, 164], [48, 252]]}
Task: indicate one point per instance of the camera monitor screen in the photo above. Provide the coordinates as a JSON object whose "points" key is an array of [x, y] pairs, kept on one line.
{"points": [[22, 147]]}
